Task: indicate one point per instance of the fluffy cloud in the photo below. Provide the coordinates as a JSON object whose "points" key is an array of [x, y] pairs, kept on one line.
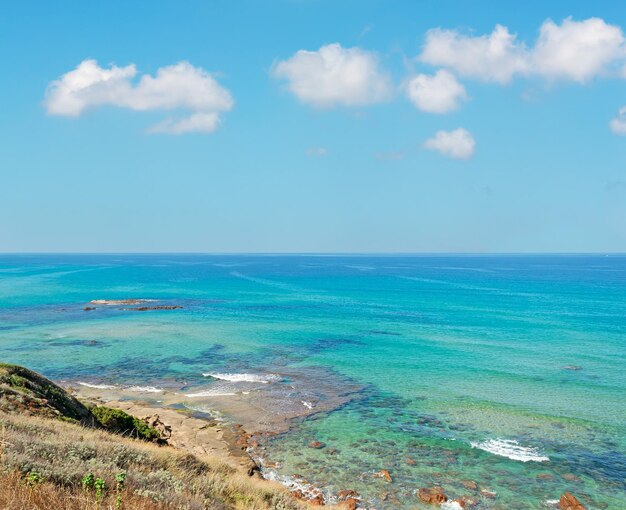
{"points": [[440, 93], [457, 144], [333, 76], [494, 57], [577, 50], [573, 50], [179, 87], [618, 124]]}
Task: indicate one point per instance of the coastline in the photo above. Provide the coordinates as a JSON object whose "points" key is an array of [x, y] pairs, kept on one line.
{"points": [[205, 435]]}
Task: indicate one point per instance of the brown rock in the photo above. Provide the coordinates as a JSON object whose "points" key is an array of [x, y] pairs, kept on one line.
{"points": [[317, 445], [469, 484], [466, 501], [317, 500], [350, 504], [383, 473], [433, 495], [89, 308], [253, 469], [545, 476], [345, 494], [410, 462], [569, 502], [488, 494], [164, 430]]}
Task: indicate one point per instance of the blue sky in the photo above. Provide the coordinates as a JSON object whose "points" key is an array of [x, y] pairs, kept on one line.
{"points": [[313, 126]]}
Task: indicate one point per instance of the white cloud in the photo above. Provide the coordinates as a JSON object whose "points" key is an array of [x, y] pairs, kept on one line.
{"points": [[177, 87], [195, 123], [440, 93], [573, 50], [457, 144], [333, 76], [495, 57], [577, 50], [618, 124]]}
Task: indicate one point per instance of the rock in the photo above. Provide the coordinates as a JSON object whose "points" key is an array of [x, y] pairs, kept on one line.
{"points": [[317, 500], [332, 451], [469, 484], [89, 308], [158, 307], [410, 462], [118, 301], [350, 504], [253, 469], [569, 502], [466, 502], [432, 495], [317, 445], [345, 494], [383, 473], [164, 430], [570, 477], [545, 476], [488, 494], [298, 494]]}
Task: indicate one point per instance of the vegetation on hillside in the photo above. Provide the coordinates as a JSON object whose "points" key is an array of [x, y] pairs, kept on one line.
{"points": [[59, 454]]}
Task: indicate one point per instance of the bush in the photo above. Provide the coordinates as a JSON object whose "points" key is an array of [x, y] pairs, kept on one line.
{"points": [[120, 422]]}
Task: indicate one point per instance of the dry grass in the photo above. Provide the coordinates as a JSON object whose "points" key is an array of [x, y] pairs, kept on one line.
{"points": [[57, 455]]}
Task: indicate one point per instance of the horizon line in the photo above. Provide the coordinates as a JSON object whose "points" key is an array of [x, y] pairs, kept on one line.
{"points": [[320, 254]]}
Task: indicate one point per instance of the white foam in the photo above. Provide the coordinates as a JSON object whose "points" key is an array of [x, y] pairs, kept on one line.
{"points": [[511, 449], [97, 386], [234, 377], [451, 505], [210, 393], [308, 405], [145, 389]]}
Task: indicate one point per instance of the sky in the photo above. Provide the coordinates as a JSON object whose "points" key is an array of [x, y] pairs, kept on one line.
{"points": [[364, 126]]}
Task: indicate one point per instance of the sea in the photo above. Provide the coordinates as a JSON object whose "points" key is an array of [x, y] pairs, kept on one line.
{"points": [[499, 378]]}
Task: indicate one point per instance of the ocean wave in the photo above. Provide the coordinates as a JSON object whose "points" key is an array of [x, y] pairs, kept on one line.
{"points": [[97, 386], [211, 393], [234, 377], [117, 302], [511, 449], [145, 389], [451, 505]]}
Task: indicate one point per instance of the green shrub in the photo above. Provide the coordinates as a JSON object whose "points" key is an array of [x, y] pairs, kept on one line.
{"points": [[120, 422]]}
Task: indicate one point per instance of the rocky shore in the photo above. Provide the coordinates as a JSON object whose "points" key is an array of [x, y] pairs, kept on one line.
{"points": [[242, 448]]}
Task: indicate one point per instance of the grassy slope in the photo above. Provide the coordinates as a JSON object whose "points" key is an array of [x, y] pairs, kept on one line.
{"points": [[45, 452]]}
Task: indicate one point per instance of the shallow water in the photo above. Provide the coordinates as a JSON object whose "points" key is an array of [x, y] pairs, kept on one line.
{"points": [[504, 371]]}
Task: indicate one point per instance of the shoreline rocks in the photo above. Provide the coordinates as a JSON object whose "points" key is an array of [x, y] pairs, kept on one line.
{"points": [[569, 502], [432, 495]]}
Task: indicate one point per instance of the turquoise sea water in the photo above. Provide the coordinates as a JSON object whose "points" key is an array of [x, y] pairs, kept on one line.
{"points": [[508, 371]]}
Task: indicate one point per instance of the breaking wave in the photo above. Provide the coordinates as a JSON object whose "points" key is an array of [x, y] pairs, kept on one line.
{"points": [[511, 449]]}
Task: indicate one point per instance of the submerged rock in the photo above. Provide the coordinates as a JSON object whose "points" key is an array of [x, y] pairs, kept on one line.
{"points": [[317, 445], [157, 307], [383, 473], [569, 502], [469, 484], [466, 501], [432, 495]]}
